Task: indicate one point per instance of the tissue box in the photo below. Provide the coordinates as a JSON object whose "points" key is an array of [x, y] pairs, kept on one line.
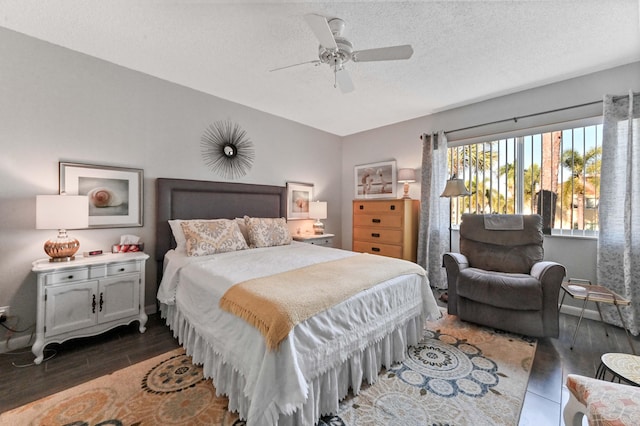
{"points": [[125, 248]]}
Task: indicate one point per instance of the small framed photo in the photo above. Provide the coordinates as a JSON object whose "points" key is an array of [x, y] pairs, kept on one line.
{"points": [[115, 193], [376, 180], [299, 195]]}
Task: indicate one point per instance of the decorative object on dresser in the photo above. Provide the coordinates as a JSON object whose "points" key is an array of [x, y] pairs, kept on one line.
{"points": [[62, 212], [325, 240], [227, 150], [90, 296], [115, 193], [299, 195], [386, 227], [376, 180], [317, 211], [406, 176]]}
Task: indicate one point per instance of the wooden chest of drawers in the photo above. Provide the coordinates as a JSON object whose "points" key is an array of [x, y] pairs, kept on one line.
{"points": [[386, 227]]}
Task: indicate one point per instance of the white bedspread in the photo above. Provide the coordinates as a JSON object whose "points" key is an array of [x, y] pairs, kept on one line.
{"points": [[275, 383]]}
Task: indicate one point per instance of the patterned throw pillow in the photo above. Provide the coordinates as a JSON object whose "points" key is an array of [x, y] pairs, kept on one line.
{"points": [[213, 236], [267, 232], [178, 233]]}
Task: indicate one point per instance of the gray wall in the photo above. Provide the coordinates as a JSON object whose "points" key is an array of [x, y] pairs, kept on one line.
{"points": [[401, 142], [59, 105]]}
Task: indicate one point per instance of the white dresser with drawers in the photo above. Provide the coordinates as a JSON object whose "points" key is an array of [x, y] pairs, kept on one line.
{"points": [[88, 296]]}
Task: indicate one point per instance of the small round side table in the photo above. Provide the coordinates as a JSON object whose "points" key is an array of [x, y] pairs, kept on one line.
{"points": [[625, 367]]}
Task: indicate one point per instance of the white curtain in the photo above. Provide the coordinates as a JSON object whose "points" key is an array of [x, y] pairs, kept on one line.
{"points": [[433, 237], [618, 266]]}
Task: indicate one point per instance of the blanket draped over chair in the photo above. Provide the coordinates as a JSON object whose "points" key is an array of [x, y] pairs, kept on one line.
{"points": [[276, 303]]}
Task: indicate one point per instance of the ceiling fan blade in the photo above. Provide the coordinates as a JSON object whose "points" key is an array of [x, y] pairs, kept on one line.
{"points": [[320, 27], [392, 53], [315, 61], [343, 79]]}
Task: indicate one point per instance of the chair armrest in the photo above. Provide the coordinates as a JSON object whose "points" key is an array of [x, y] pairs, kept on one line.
{"points": [[454, 262], [548, 272], [550, 275], [459, 259]]}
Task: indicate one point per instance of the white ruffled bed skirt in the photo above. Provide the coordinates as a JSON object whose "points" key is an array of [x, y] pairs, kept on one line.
{"points": [[325, 390]]}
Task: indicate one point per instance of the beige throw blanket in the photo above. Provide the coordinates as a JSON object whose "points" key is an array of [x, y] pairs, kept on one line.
{"points": [[276, 303]]}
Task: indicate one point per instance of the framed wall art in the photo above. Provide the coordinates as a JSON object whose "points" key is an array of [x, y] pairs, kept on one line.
{"points": [[376, 180], [115, 193], [299, 195]]}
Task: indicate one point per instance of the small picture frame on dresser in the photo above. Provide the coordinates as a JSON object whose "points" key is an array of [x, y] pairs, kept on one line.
{"points": [[376, 180]]}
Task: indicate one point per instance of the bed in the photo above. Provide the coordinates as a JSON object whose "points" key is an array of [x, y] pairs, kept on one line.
{"points": [[320, 359]]}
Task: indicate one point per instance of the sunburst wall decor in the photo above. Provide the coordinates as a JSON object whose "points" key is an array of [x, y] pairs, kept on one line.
{"points": [[227, 150]]}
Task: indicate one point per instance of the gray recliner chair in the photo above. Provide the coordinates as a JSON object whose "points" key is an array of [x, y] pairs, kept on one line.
{"points": [[499, 278]]}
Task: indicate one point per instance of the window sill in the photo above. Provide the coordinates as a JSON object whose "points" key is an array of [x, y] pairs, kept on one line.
{"points": [[568, 234]]}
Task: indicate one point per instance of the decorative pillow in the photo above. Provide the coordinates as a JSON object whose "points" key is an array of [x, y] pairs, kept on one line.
{"points": [[178, 234], [213, 236], [267, 232], [243, 228]]}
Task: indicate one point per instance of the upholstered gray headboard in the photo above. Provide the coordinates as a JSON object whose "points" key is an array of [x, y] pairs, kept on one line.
{"points": [[197, 199]]}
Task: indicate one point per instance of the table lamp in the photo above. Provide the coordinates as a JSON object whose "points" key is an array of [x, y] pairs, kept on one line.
{"points": [[317, 211], [62, 212], [406, 176]]}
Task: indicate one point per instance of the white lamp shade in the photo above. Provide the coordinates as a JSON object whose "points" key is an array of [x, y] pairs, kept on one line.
{"points": [[455, 188], [62, 211], [318, 210], [406, 175]]}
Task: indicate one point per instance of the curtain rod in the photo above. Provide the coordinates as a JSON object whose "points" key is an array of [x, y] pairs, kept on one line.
{"points": [[515, 119]]}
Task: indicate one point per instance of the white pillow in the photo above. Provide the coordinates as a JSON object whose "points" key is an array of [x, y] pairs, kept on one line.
{"points": [[178, 235], [212, 236]]}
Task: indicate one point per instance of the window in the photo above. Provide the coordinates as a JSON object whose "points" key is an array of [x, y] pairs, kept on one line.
{"points": [[555, 174]]}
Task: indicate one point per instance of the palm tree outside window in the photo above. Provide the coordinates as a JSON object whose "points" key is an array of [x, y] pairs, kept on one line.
{"points": [[555, 174]]}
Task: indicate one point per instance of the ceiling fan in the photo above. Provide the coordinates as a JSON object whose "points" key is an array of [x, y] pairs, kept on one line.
{"points": [[336, 50]]}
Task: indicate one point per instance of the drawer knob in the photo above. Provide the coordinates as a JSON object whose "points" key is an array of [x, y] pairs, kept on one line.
{"points": [[392, 207], [375, 220], [376, 249], [121, 270], [70, 277], [361, 207], [375, 235]]}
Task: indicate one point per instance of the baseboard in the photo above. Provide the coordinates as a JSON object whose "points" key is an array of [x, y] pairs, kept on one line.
{"points": [[575, 311], [151, 309], [19, 342]]}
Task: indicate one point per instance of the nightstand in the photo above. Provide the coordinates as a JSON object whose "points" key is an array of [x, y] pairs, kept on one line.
{"points": [[325, 240], [88, 296]]}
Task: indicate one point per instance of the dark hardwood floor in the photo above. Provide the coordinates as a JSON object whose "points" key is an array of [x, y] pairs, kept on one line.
{"points": [[80, 360]]}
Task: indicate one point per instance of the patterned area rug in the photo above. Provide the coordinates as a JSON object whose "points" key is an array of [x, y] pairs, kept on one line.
{"points": [[460, 374]]}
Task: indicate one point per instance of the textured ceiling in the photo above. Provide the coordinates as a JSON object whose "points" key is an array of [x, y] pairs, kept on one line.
{"points": [[464, 51]]}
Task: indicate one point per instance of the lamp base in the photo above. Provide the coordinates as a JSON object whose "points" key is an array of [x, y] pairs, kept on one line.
{"points": [[406, 192], [62, 249], [318, 228]]}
